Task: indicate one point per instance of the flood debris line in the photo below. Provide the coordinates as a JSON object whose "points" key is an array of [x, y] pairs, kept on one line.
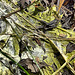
{"points": [[37, 37]]}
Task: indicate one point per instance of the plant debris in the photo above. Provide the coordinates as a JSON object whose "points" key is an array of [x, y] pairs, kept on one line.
{"points": [[35, 29], [28, 64], [24, 3], [68, 18], [70, 47], [48, 26]]}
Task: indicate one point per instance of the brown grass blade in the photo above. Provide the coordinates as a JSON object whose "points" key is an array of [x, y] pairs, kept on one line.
{"points": [[60, 4]]}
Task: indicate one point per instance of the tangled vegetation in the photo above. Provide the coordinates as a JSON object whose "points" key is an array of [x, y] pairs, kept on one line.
{"points": [[37, 37]]}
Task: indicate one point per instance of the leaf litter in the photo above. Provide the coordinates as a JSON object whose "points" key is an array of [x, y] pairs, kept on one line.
{"points": [[57, 26]]}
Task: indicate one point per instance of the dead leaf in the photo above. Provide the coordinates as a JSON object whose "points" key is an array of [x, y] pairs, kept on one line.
{"points": [[70, 47], [24, 3], [37, 59], [28, 64]]}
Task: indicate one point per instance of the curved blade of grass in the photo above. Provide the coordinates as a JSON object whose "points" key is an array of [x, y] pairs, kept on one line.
{"points": [[35, 61], [5, 54]]}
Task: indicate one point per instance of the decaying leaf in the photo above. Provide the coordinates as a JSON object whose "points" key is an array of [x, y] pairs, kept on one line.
{"points": [[30, 65], [70, 47], [48, 26], [24, 3]]}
